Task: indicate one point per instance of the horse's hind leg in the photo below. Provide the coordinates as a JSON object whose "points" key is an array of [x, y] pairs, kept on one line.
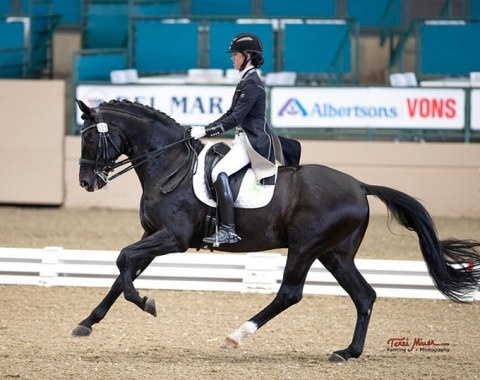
{"points": [[290, 293], [363, 296]]}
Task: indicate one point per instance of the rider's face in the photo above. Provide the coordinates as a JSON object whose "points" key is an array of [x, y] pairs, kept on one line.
{"points": [[237, 59]]}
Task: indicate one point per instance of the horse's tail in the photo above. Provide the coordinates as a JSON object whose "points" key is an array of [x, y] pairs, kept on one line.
{"points": [[453, 264]]}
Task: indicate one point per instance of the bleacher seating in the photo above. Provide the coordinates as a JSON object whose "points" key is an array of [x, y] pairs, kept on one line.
{"points": [[447, 48], [322, 49], [375, 13], [5, 8], [13, 54], [105, 24], [95, 65], [241, 8], [39, 24], [220, 37], [42, 27], [413, 12], [209, 25], [299, 8], [475, 8], [70, 12], [155, 8], [159, 46]]}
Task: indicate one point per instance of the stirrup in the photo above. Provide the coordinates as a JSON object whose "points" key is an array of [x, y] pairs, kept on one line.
{"points": [[225, 235]]}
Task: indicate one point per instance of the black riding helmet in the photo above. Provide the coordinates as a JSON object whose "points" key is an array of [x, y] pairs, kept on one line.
{"points": [[248, 43]]}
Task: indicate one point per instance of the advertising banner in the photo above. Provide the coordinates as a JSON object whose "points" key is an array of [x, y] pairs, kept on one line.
{"points": [[475, 110], [303, 107], [187, 104], [307, 107]]}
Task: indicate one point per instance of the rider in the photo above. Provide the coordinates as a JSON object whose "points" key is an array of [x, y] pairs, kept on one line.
{"points": [[254, 141]]}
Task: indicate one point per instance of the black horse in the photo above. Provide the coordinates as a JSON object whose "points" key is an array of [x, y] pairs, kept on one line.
{"points": [[316, 212]]}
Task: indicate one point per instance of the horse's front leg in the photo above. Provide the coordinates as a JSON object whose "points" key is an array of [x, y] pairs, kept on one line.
{"points": [[84, 328], [135, 258]]}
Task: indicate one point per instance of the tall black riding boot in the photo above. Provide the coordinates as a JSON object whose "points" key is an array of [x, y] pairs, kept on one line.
{"points": [[226, 232]]}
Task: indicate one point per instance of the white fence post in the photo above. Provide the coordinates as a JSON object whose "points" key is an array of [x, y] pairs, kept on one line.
{"points": [[48, 272], [261, 272]]}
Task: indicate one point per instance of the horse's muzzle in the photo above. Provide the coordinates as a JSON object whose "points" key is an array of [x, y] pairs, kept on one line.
{"points": [[86, 186]]}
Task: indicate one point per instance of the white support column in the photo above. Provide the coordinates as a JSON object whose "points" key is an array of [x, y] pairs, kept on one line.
{"points": [[50, 258], [261, 272]]}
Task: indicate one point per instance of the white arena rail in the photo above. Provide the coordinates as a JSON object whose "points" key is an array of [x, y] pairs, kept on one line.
{"points": [[252, 272]]}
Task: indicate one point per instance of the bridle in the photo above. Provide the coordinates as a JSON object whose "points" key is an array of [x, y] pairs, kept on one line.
{"points": [[104, 165]]}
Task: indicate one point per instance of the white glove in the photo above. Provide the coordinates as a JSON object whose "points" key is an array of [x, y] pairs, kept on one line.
{"points": [[197, 132]]}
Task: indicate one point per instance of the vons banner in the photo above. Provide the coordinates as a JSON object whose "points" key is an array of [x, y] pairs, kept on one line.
{"points": [[367, 107]]}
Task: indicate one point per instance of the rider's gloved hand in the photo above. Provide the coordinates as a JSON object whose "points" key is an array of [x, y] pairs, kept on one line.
{"points": [[196, 132]]}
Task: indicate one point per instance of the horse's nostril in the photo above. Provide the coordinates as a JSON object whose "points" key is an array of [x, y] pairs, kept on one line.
{"points": [[83, 183]]}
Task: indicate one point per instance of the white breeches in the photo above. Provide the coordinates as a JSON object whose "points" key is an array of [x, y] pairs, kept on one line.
{"points": [[235, 159]]}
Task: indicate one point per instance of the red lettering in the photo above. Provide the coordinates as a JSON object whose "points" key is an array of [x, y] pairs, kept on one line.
{"points": [[437, 108], [451, 105], [424, 108], [431, 108], [411, 107], [398, 342]]}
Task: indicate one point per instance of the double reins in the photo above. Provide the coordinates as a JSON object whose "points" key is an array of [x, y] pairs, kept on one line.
{"points": [[110, 165]]}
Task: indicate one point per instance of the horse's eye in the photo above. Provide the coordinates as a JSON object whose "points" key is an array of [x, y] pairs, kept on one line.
{"points": [[88, 139]]}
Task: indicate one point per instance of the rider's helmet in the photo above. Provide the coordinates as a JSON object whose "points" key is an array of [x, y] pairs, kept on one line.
{"points": [[248, 43]]}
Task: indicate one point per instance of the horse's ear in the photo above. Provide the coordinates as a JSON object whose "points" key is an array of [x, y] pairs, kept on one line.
{"points": [[84, 108]]}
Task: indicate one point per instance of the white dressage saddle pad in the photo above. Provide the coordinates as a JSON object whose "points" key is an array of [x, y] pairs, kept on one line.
{"points": [[252, 193]]}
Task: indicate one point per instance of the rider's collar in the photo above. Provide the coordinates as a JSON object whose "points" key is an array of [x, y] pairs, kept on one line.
{"points": [[247, 72]]}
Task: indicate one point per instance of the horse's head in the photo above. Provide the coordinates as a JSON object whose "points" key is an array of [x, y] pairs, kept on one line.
{"points": [[102, 144], [152, 141]]}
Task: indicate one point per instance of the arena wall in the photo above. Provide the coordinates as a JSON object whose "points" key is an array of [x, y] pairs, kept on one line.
{"points": [[32, 141]]}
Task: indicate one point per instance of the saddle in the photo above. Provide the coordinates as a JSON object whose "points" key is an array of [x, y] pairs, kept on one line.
{"points": [[247, 191]]}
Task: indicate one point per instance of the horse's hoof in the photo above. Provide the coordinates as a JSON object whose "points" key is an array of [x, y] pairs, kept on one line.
{"points": [[336, 358], [81, 331], [229, 343], [150, 307]]}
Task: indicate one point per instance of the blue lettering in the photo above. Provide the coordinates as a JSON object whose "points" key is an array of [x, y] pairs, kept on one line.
{"points": [[178, 103], [216, 105], [329, 110], [197, 105]]}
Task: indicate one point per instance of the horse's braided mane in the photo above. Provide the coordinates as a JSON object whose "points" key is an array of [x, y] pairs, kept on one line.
{"points": [[140, 108]]}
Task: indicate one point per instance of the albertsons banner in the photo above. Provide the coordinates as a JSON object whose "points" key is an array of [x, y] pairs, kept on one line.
{"points": [[367, 107]]}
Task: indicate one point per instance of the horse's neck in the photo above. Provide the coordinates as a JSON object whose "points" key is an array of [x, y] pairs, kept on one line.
{"points": [[142, 139], [168, 157]]}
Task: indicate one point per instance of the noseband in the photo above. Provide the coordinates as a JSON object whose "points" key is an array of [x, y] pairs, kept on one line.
{"points": [[103, 164]]}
